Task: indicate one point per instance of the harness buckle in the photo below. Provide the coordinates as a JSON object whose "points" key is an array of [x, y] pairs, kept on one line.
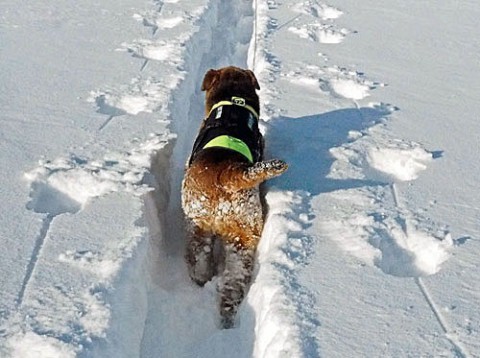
{"points": [[219, 112], [239, 101]]}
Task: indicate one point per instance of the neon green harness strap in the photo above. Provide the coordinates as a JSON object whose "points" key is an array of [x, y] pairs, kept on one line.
{"points": [[225, 141], [236, 101]]}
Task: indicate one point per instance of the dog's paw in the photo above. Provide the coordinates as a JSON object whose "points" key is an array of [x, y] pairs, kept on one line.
{"points": [[276, 166], [262, 171], [227, 322], [242, 177], [270, 168]]}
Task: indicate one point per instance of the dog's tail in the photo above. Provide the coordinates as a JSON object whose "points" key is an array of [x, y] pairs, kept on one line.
{"points": [[241, 177]]}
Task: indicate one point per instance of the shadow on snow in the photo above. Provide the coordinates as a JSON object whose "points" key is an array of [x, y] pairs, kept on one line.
{"points": [[305, 143]]}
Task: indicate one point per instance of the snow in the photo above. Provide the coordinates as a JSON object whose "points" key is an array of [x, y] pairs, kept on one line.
{"points": [[370, 247], [349, 88], [402, 164], [31, 345]]}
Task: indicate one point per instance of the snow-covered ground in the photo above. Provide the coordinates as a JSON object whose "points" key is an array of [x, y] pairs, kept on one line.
{"points": [[371, 244]]}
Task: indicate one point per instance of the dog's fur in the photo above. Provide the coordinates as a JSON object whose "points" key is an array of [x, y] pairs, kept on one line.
{"points": [[221, 200]]}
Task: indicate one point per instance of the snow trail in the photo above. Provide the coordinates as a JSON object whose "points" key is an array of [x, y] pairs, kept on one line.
{"points": [[177, 307]]}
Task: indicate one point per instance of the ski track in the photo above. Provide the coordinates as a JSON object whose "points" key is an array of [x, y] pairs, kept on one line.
{"points": [[266, 327], [39, 242]]}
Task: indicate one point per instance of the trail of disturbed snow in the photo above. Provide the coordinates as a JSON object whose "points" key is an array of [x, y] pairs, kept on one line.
{"points": [[182, 318]]}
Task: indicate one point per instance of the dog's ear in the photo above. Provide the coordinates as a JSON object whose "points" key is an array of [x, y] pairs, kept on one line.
{"points": [[254, 79], [210, 78]]}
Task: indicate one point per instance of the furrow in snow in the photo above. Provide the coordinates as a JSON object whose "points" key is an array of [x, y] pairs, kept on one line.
{"points": [[220, 36], [176, 306]]}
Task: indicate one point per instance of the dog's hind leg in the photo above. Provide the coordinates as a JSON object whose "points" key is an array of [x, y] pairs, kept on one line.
{"points": [[200, 256], [234, 282]]}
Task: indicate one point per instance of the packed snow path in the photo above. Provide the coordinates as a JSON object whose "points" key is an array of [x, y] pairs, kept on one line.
{"points": [[369, 248]]}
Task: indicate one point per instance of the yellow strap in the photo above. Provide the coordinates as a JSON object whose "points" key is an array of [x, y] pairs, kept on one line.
{"points": [[236, 101], [225, 141]]}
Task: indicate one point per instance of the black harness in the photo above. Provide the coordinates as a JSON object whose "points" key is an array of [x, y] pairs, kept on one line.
{"points": [[232, 125]]}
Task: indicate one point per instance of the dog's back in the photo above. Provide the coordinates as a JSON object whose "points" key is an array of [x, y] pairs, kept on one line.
{"points": [[221, 195]]}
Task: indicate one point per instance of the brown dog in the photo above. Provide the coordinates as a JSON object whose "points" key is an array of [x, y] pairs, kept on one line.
{"points": [[220, 193]]}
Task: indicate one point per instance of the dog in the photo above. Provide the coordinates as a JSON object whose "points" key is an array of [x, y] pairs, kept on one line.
{"points": [[220, 190]]}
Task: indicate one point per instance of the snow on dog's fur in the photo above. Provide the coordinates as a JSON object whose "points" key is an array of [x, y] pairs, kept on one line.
{"points": [[221, 200]]}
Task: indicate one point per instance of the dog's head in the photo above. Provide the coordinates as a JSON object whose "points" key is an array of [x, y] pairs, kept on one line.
{"points": [[227, 82]]}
